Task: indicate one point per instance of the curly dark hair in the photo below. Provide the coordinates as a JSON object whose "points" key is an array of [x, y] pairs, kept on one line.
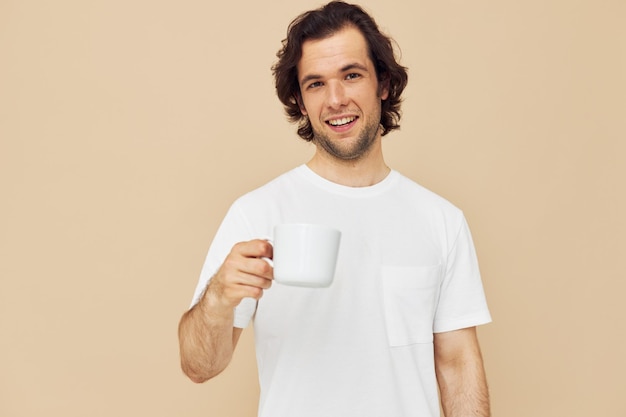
{"points": [[322, 23]]}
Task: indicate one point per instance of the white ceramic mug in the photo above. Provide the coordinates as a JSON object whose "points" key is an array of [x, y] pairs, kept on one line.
{"points": [[305, 255]]}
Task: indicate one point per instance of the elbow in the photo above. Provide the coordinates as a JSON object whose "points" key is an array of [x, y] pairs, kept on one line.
{"points": [[199, 375], [197, 378], [194, 376]]}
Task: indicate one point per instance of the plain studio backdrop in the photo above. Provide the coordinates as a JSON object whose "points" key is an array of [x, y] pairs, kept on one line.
{"points": [[128, 127]]}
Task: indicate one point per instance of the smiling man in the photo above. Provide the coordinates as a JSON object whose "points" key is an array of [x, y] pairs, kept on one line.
{"points": [[341, 96], [397, 326]]}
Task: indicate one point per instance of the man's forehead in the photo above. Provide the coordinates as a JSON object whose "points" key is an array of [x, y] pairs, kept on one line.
{"points": [[345, 47]]}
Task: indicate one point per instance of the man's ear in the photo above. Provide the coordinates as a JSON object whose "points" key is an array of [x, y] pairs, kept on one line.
{"points": [[383, 87], [300, 103]]}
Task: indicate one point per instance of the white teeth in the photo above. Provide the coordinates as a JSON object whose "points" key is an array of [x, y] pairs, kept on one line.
{"points": [[341, 122]]}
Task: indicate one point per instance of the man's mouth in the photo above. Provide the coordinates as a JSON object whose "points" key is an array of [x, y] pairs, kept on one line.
{"points": [[341, 122]]}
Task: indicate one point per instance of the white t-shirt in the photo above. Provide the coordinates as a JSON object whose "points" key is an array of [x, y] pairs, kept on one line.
{"points": [[363, 347]]}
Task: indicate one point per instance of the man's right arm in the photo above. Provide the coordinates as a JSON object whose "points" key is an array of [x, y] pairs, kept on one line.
{"points": [[206, 334]]}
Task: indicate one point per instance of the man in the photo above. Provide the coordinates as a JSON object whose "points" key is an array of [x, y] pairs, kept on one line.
{"points": [[399, 320]]}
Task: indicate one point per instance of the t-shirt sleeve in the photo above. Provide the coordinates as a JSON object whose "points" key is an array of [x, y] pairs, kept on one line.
{"points": [[233, 229], [462, 302]]}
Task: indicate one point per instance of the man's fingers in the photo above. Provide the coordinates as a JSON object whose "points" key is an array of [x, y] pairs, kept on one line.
{"points": [[247, 286], [257, 248], [244, 272]]}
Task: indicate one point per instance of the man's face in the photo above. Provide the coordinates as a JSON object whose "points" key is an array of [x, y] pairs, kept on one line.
{"points": [[340, 94]]}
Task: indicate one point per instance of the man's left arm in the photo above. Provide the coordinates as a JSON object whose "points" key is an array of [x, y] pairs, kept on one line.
{"points": [[461, 374]]}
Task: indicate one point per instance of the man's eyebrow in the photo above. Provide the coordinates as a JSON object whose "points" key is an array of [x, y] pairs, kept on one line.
{"points": [[345, 68], [354, 66], [309, 77]]}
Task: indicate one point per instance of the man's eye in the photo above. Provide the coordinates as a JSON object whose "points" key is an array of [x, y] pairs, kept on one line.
{"points": [[352, 76], [315, 84]]}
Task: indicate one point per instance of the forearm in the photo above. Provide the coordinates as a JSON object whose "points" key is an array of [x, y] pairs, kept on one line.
{"points": [[206, 340], [206, 334], [464, 393], [461, 374]]}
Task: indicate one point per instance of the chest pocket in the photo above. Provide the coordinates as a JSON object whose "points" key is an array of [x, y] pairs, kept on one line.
{"points": [[410, 297]]}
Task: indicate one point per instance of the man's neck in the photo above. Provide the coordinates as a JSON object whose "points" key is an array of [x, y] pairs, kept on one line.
{"points": [[357, 173]]}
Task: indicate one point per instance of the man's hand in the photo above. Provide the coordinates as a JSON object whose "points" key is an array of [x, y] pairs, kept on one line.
{"points": [[244, 273], [206, 333]]}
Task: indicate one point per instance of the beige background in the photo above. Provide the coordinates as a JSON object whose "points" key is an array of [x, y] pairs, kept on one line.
{"points": [[128, 127]]}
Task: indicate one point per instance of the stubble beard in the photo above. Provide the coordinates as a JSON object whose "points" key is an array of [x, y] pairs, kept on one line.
{"points": [[349, 152]]}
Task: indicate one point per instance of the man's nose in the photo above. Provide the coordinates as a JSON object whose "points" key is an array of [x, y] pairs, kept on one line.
{"points": [[336, 95]]}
